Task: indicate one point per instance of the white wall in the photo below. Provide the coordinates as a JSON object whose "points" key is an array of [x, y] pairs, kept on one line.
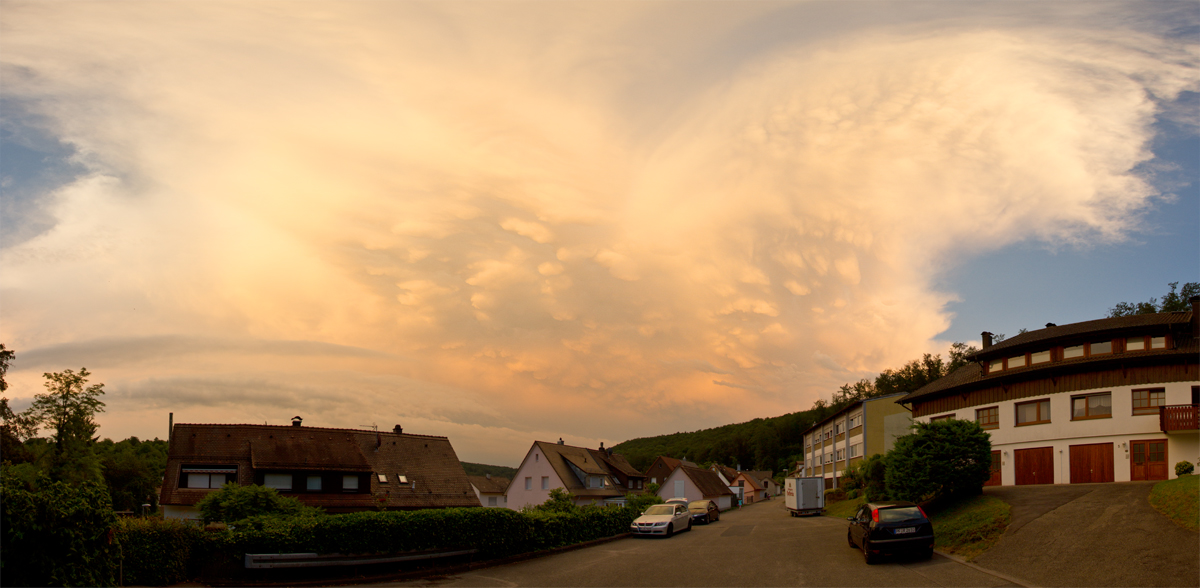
{"points": [[690, 491], [535, 467]]}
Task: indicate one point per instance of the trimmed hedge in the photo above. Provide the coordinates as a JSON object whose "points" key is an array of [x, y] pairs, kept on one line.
{"points": [[159, 553]]}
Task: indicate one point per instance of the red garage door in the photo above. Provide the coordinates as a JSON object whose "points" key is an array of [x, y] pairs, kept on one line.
{"points": [[1091, 463], [1034, 466]]}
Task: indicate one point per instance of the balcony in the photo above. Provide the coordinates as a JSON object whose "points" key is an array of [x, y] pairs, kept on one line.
{"points": [[1178, 417]]}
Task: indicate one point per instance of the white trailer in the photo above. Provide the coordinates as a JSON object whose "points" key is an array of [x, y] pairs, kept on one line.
{"points": [[804, 496]]}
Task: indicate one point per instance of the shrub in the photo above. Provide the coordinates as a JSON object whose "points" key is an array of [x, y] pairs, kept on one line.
{"points": [[852, 493], [872, 474], [640, 502], [940, 459], [560, 501], [835, 495], [157, 552], [1184, 468], [57, 535], [233, 503]]}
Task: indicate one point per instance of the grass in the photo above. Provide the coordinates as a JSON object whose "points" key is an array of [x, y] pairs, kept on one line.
{"points": [[966, 527], [1178, 500]]}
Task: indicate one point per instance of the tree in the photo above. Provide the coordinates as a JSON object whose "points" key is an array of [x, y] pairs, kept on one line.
{"points": [[233, 503], [941, 459], [69, 408], [1172, 302]]}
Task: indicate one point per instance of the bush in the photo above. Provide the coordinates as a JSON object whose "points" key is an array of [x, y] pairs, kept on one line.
{"points": [[234, 503], [56, 535], [1184, 468], [640, 502], [560, 501], [941, 459], [157, 552], [835, 495]]}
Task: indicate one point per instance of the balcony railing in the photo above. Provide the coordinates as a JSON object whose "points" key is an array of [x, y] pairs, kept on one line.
{"points": [[1179, 417]]}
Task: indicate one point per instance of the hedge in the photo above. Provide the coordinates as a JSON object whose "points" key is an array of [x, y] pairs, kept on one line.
{"points": [[57, 535], [160, 553]]}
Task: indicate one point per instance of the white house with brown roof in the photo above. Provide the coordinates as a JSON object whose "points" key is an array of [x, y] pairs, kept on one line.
{"points": [[590, 475], [340, 470], [1107, 400], [490, 490], [697, 484]]}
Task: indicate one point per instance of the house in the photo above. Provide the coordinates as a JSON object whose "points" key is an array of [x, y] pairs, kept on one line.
{"points": [[339, 470], [749, 488], [763, 480], [490, 490], [766, 482], [662, 467], [590, 475], [861, 429], [694, 483], [1107, 400]]}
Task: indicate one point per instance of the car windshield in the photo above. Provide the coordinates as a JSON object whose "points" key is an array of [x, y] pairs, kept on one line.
{"points": [[660, 509], [899, 514], [698, 506]]}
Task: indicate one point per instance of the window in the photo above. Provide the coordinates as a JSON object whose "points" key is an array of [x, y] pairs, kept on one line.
{"points": [[828, 435], [856, 450], [841, 455], [200, 476], [1092, 406], [1033, 413], [383, 479], [536, 457], [837, 429], [996, 365], [545, 482], [1101, 348], [313, 484], [988, 418], [1040, 357], [1148, 400], [401, 479], [278, 481], [1016, 362], [529, 483], [944, 417], [349, 483], [1158, 342], [491, 501], [1076, 351], [1135, 344], [856, 421]]}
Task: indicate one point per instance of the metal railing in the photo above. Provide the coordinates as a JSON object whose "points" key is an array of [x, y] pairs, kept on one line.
{"points": [[1178, 417]]}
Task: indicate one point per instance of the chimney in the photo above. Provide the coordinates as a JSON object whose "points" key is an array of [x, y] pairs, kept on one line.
{"points": [[560, 441], [601, 447], [296, 420], [397, 429], [1195, 300], [1048, 325], [488, 476], [987, 339]]}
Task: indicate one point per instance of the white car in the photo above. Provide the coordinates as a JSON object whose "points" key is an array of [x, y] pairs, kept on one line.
{"points": [[662, 519]]}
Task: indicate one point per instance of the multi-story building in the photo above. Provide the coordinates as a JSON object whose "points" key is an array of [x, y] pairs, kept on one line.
{"points": [[861, 429], [1098, 401], [592, 476]]}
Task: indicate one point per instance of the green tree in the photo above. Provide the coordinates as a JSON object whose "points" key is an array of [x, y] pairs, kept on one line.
{"points": [[69, 408], [132, 470], [940, 459], [1172, 301], [234, 503], [560, 501]]}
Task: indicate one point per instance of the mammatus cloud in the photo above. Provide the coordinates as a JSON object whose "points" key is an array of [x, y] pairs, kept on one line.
{"points": [[409, 212]]}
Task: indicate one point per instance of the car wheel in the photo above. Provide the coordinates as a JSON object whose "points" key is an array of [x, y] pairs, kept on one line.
{"points": [[928, 554], [866, 549], [670, 529], [689, 527], [850, 540]]}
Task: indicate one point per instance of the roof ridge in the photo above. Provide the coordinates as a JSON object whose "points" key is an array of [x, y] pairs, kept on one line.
{"points": [[308, 428]]}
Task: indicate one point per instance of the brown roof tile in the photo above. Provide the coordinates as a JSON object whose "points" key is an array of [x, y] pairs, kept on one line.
{"points": [[493, 485], [707, 482], [1096, 327]]}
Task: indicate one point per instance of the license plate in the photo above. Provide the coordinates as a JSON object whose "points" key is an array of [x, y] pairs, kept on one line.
{"points": [[904, 530]]}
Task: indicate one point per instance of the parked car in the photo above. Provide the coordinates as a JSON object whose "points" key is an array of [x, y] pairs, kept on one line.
{"points": [[676, 501], [704, 511], [880, 528], [662, 519]]}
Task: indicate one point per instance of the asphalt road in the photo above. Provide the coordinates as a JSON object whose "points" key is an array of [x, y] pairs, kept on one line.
{"points": [[759, 545]]}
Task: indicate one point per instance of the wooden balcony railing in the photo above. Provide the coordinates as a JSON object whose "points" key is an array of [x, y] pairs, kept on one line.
{"points": [[1179, 417]]}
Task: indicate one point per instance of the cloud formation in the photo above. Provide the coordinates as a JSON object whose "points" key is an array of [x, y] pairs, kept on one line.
{"points": [[517, 221]]}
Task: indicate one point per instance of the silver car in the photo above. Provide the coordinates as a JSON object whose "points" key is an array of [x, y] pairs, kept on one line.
{"points": [[662, 519]]}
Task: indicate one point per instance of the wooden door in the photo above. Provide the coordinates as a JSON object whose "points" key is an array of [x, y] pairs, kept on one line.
{"points": [[1092, 463], [995, 479], [1034, 466], [1148, 460]]}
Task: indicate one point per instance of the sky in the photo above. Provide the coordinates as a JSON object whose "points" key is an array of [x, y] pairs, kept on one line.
{"points": [[513, 221]]}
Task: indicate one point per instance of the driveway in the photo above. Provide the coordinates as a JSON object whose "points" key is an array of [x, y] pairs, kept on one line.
{"points": [[1092, 535], [759, 545]]}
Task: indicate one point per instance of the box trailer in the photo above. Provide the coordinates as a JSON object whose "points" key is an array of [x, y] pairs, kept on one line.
{"points": [[804, 496]]}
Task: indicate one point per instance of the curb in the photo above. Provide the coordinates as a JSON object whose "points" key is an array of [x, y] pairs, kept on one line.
{"points": [[1004, 577]]}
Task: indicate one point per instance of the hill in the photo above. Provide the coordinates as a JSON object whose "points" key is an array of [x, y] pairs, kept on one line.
{"points": [[479, 469]]}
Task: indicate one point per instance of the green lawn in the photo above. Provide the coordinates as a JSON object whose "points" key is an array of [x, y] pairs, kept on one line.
{"points": [[1178, 500], [965, 528]]}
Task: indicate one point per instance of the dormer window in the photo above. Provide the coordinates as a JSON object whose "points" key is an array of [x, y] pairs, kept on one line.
{"points": [[1072, 352], [199, 476], [1158, 342], [1101, 348], [1135, 344], [1016, 362], [1040, 357], [996, 365]]}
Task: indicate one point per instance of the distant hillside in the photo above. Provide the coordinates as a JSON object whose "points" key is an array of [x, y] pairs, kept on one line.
{"points": [[479, 469]]}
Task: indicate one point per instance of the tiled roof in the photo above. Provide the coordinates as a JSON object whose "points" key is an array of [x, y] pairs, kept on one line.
{"points": [[751, 480], [558, 456], [436, 476], [707, 482], [1097, 327], [617, 462], [729, 473], [486, 485], [761, 474]]}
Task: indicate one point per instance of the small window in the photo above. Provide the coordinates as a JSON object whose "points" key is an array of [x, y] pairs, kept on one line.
{"points": [[1135, 344], [278, 481], [1158, 342], [402, 479], [996, 365], [349, 483], [1070, 352], [545, 482], [1016, 362], [1148, 400], [1039, 357], [1033, 413], [491, 501], [1101, 348], [529, 483], [1092, 406], [988, 418], [314, 484], [944, 417], [382, 478]]}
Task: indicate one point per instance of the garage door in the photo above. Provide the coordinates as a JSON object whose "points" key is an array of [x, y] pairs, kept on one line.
{"points": [[1091, 463], [1034, 466]]}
